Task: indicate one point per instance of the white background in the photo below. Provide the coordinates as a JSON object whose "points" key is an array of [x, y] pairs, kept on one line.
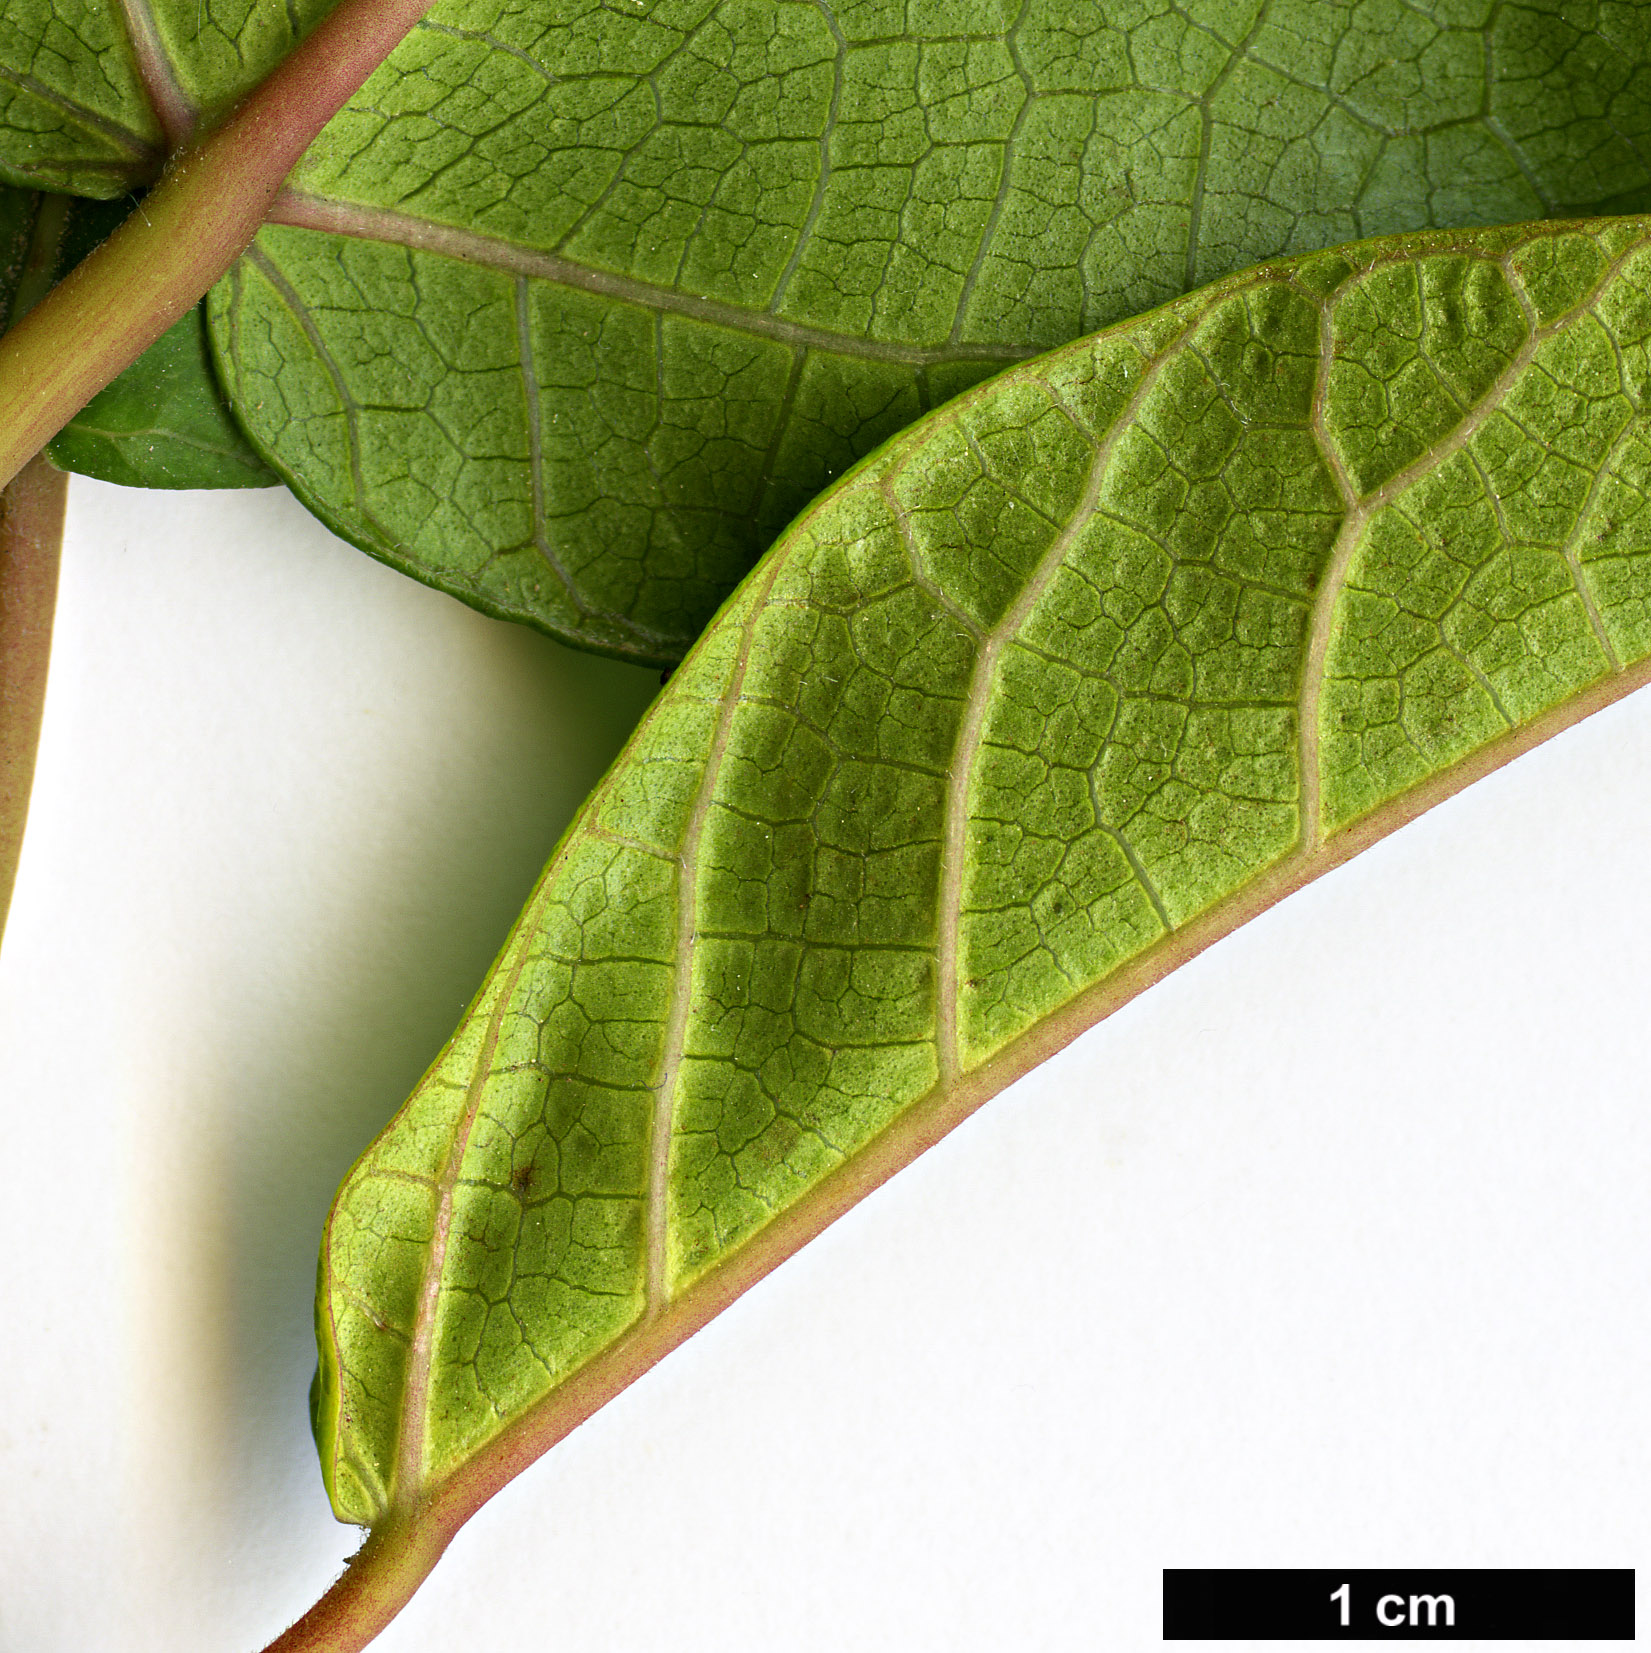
{"points": [[1333, 1250]]}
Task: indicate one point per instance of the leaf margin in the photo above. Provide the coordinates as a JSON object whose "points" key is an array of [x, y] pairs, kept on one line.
{"points": [[419, 1529]]}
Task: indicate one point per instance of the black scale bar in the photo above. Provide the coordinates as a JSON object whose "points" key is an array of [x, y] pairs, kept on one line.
{"points": [[1540, 1604]]}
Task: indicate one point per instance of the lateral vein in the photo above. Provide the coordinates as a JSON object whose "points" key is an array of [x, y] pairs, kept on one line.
{"points": [[1361, 508], [299, 210], [676, 1030], [954, 833], [140, 149]]}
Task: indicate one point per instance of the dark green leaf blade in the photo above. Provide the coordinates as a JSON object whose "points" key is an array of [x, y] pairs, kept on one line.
{"points": [[1068, 680], [163, 423], [17, 218], [578, 306]]}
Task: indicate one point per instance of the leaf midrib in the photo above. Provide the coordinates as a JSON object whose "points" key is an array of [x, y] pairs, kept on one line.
{"points": [[175, 113], [174, 110]]}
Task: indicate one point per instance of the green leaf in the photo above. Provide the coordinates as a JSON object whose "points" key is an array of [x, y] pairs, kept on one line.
{"points": [[164, 422], [36, 232], [578, 305], [17, 214], [1071, 678], [92, 91], [73, 112]]}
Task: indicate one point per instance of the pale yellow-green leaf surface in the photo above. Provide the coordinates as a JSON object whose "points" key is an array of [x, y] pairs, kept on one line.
{"points": [[1065, 680]]}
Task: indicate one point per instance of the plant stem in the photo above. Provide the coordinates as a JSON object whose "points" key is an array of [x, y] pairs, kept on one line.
{"points": [[31, 547], [377, 1583], [31, 542], [191, 227]]}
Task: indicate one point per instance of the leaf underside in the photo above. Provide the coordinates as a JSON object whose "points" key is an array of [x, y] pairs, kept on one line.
{"points": [[1065, 672], [601, 296], [91, 94], [578, 305], [87, 87]]}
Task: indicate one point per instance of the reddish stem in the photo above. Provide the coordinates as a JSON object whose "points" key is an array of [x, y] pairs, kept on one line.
{"points": [[378, 1582], [191, 227], [31, 541]]}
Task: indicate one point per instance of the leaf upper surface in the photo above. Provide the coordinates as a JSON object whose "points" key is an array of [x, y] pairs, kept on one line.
{"points": [[164, 421], [1073, 667], [579, 304]]}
